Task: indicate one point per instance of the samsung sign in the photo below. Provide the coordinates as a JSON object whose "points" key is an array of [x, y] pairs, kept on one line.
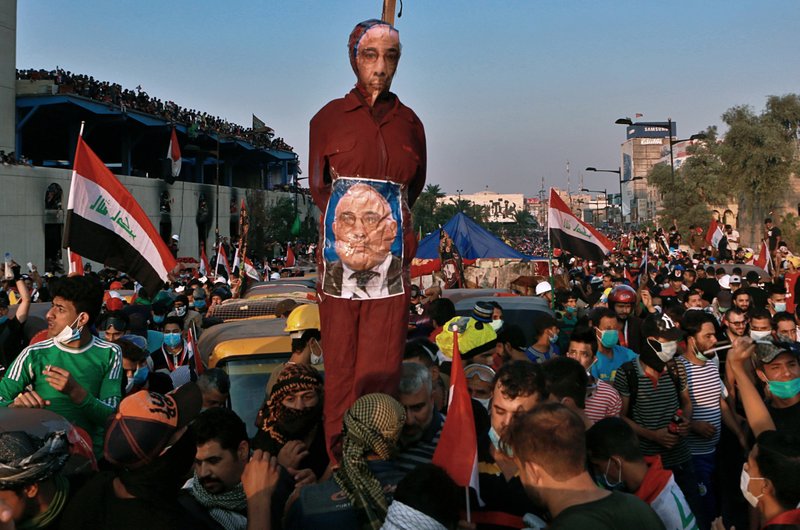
{"points": [[651, 130]]}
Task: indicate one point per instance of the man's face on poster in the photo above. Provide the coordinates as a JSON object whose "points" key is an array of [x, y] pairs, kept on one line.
{"points": [[364, 228]]}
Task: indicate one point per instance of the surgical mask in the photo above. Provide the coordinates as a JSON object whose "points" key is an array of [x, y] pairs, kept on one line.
{"points": [[759, 335], [3, 319], [495, 439], [744, 485], [607, 482], [68, 334], [609, 338], [484, 402], [180, 311], [139, 379], [172, 339], [496, 324], [554, 338], [702, 355], [780, 307], [158, 319], [199, 304], [570, 309], [785, 389]]}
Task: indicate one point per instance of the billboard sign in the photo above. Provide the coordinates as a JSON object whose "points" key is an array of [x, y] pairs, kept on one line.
{"points": [[654, 129]]}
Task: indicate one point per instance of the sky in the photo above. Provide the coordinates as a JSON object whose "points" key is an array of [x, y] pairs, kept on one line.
{"points": [[509, 91]]}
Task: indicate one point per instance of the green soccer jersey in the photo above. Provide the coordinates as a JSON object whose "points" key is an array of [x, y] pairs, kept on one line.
{"points": [[97, 367]]}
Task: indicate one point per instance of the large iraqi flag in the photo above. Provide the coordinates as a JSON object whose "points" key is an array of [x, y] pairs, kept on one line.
{"points": [[569, 233], [106, 224]]}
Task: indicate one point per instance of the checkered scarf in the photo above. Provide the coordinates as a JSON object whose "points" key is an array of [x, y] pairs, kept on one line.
{"points": [[293, 378], [372, 425]]}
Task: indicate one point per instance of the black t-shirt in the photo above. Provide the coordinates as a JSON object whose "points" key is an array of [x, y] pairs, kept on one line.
{"points": [[758, 296], [773, 234], [710, 288], [615, 511], [787, 419], [11, 339]]}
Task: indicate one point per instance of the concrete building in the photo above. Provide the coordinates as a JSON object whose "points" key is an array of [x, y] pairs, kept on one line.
{"points": [[500, 207]]}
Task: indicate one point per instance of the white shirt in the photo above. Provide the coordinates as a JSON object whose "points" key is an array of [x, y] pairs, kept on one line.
{"points": [[378, 286]]}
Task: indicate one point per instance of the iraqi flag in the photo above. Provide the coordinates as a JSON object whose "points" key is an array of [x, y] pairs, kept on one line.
{"points": [[569, 233], [174, 153], [205, 268], [763, 260], [290, 259], [75, 263], [106, 224], [457, 451], [250, 270], [222, 260], [714, 234]]}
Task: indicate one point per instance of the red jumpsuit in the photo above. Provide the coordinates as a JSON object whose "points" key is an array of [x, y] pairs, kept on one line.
{"points": [[364, 340]]}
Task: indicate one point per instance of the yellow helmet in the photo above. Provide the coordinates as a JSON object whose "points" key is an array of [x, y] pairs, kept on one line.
{"points": [[302, 317]]}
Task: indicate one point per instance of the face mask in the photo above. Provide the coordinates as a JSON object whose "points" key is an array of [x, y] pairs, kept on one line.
{"points": [[784, 389], [652, 355], [158, 319], [180, 311], [68, 334], [496, 324], [759, 335], [3, 319], [607, 483], [780, 307], [172, 339], [495, 439], [199, 304], [609, 338], [554, 339], [744, 484]]}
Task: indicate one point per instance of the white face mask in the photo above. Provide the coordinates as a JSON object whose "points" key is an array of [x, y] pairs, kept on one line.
{"points": [[668, 350], [496, 324], [68, 334], [744, 485], [759, 335], [180, 311]]}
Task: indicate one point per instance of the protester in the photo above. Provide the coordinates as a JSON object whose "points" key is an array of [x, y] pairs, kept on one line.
{"points": [[415, 508], [602, 400], [549, 446], [423, 424], [11, 336], [215, 386], [73, 373], [175, 352], [137, 367], [610, 354]]}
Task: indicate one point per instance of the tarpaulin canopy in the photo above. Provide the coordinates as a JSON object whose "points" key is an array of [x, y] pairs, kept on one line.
{"points": [[472, 241]]}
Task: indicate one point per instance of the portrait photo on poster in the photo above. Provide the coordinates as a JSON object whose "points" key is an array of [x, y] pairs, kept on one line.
{"points": [[363, 239]]}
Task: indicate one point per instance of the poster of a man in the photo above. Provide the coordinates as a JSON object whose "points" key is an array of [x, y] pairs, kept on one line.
{"points": [[363, 244]]}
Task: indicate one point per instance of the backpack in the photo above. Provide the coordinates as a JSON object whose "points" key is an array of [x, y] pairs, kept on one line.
{"points": [[632, 377]]}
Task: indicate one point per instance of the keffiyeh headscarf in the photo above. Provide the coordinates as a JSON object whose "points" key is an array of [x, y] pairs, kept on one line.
{"points": [[25, 459], [281, 423], [372, 425], [356, 35], [403, 517]]}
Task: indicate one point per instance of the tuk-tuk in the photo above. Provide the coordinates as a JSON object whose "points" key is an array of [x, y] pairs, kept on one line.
{"points": [[249, 351]]}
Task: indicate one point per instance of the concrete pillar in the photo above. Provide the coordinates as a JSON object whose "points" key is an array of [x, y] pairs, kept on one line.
{"points": [[8, 74]]}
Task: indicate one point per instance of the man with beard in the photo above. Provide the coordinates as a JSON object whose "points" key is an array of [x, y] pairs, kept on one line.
{"points": [[290, 424], [423, 422], [549, 446], [215, 497], [709, 406], [367, 142]]}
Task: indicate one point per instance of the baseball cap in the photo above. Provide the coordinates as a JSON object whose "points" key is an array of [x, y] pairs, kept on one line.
{"points": [[725, 282], [724, 299], [115, 286], [140, 430], [662, 327], [482, 312], [543, 287], [767, 350], [735, 278], [752, 277], [677, 274]]}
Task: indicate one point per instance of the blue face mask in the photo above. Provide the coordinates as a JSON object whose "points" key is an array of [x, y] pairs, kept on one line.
{"points": [[3, 319], [199, 304], [158, 319], [495, 439], [140, 376], [609, 338], [172, 340], [785, 389]]}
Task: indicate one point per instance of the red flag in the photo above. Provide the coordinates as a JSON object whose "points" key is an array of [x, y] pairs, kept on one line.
{"points": [[763, 259], [629, 276], [174, 153], [75, 263], [714, 234], [205, 268], [222, 259], [289, 256], [791, 284], [457, 452]]}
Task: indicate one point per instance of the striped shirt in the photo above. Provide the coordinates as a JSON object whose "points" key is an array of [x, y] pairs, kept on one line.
{"points": [[705, 390], [603, 403], [97, 367], [655, 405], [421, 452]]}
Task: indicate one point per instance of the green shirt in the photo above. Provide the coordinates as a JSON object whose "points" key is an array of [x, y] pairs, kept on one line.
{"points": [[97, 367]]}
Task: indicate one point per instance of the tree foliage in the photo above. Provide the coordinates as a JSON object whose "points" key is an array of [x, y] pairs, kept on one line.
{"points": [[274, 222], [429, 214]]}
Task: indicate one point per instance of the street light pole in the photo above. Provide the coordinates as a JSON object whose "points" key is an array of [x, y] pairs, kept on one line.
{"points": [[605, 196], [618, 171]]}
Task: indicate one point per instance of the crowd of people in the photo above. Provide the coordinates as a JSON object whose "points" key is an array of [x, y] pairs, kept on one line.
{"points": [[663, 391], [137, 99]]}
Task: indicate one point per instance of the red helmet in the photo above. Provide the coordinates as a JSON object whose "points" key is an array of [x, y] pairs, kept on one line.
{"points": [[622, 294]]}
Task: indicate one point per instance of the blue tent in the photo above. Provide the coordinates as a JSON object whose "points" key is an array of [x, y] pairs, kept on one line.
{"points": [[471, 240]]}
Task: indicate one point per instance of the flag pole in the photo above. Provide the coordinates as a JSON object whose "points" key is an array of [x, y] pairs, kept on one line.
{"points": [[80, 133], [469, 512], [550, 254]]}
